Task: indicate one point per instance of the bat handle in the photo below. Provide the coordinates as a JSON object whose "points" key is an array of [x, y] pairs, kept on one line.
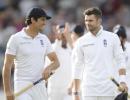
{"points": [[23, 90], [29, 86], [38, 81], [116, 83]]}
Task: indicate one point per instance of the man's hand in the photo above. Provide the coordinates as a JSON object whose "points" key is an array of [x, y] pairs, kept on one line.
{"points": [[46, 73], [67, 34], [70, 87], [69, 91], [123, 87]]}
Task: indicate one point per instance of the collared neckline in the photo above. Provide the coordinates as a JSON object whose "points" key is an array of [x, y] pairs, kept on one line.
{"points": [[24, 34], [99, 32]]}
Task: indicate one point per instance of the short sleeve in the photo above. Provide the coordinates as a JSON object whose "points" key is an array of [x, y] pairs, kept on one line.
{"points": [[11, 47]]}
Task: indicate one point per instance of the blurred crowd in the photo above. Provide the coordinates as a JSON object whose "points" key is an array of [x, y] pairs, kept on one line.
{"points": [[13, 14]]}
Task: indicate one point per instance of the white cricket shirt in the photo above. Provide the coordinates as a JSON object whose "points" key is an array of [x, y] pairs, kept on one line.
{"points": [[97, 54], [30, 54]]}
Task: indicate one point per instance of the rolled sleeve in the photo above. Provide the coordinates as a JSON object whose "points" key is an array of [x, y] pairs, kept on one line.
{"points": [[11, 46]]}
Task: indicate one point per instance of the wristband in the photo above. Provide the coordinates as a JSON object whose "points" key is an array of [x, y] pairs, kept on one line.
{"points": [[122, 78]]}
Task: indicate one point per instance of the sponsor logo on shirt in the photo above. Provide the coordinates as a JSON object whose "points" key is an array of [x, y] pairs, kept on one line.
{"points": [[25, 43], [86, 45]]}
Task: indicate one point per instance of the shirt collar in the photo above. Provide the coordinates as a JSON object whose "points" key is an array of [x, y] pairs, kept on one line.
{"points": [[100, 31], [24, 34]]}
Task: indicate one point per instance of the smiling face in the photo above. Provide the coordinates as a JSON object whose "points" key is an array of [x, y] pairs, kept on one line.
{"points": [[93, 19], [92, 22]]}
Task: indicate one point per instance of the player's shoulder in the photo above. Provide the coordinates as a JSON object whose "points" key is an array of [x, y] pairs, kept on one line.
{"points": [[110, 34], [85, 38], [127, 44], [17, 35], [82, 40], [43, 36]]}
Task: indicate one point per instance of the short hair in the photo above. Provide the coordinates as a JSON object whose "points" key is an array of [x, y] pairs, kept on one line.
{"points": [[93, 11], [79, 30]]}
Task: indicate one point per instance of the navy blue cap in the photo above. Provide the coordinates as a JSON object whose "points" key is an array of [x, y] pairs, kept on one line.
{"points": [[37, 12], [120, 31]]}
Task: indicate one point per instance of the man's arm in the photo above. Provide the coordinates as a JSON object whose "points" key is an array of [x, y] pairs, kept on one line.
{"points": [[122, 74], [76, 89], [7, 75], [76, 84], [120, 59], [67, 34], [77, 70], [52, 66]]}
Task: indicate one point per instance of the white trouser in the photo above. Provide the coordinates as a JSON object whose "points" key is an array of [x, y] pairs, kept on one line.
{"points": [[98, 98], [37, 92], [58, 93]]}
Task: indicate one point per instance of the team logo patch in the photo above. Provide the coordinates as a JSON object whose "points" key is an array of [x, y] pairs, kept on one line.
{"points": [[105, 43], [41, 41]]}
